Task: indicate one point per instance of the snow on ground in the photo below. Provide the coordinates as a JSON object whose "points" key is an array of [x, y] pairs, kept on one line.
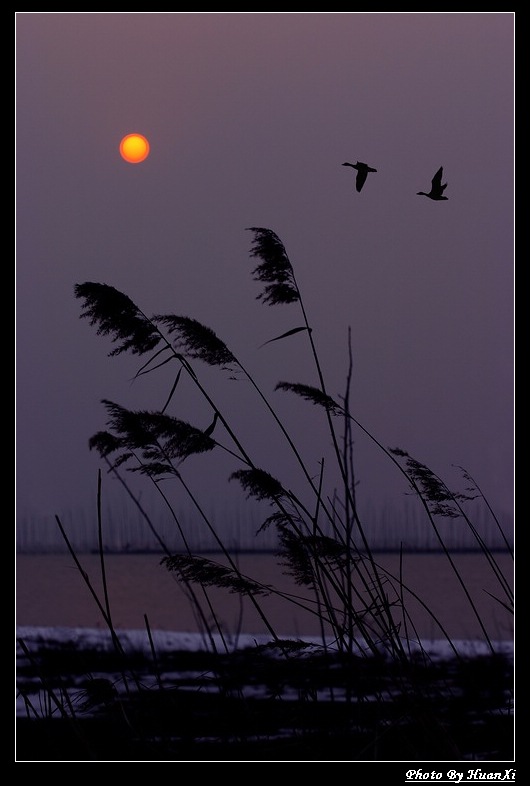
{"points": [[167, 642], [133, 640]]}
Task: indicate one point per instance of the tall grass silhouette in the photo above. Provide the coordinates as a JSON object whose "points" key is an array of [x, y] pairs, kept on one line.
{"points": [[370, 653]]}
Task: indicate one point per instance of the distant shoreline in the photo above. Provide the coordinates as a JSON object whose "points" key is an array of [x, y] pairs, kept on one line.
{"points": [[265, 551]]}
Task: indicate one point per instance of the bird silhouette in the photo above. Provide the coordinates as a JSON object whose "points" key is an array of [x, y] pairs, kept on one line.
{"points": [[362, 173], [437, 188]]}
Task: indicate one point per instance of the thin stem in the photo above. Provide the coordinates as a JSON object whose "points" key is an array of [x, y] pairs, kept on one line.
{"points": [[486, 502], [101, 554]]}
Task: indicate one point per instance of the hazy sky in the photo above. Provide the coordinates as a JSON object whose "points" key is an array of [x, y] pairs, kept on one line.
{"points": [[250, 117]]}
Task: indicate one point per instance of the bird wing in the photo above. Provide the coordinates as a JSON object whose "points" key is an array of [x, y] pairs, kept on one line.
{"points": [[437, 179], [360, 180]]}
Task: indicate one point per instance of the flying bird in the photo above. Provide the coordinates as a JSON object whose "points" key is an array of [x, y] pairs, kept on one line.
{"points": [[437, 188], [362, 173]]}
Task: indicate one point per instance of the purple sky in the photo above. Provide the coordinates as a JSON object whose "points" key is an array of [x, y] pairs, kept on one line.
{"points": [[249, 117]]}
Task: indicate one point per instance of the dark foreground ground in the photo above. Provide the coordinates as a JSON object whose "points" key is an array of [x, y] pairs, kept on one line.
{"points": [[259, 704]]}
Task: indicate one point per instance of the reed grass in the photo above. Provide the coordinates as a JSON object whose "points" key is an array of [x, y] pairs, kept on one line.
{"points": [[369, 651]]}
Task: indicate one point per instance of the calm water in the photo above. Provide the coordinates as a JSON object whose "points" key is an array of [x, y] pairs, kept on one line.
{"points": [[52, 593]]}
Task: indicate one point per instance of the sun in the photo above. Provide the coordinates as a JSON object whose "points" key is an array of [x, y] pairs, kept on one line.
{"points": [[134, 148]]}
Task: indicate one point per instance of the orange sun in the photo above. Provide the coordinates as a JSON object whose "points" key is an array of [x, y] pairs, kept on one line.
{"points": [[134, 148]]}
